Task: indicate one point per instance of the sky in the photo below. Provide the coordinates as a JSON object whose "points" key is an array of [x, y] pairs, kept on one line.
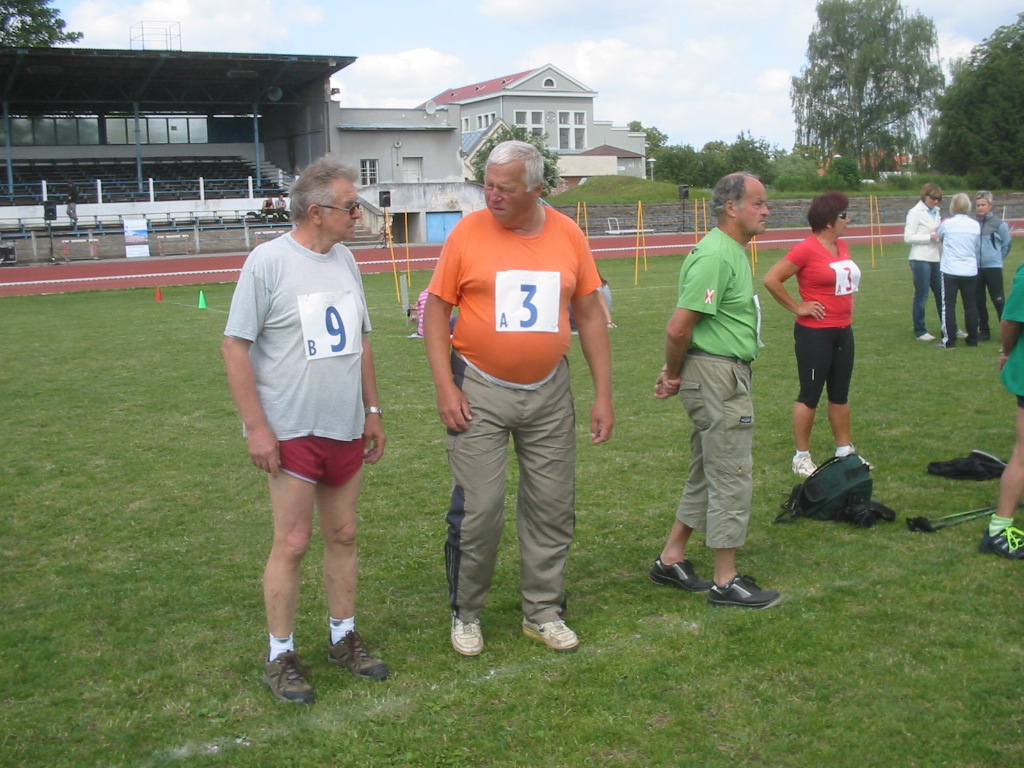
{"points": [[698, 71]]}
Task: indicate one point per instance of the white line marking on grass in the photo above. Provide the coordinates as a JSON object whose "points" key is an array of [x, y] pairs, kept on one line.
{"points": [[107, 278]]}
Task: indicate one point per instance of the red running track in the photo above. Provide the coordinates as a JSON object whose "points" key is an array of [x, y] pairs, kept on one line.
{"points": [[18, 280]]}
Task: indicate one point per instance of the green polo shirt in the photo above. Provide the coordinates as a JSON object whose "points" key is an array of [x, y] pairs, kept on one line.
{"points": [[1013, 371], [716, 281]]}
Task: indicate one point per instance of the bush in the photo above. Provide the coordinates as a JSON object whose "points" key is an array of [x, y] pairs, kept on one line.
{"points": [[843, 173], [797, 183]]}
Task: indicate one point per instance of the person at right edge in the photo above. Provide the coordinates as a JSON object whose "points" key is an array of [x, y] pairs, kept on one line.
{"points": [[711, 339], [1002, 537], [995, 245]]}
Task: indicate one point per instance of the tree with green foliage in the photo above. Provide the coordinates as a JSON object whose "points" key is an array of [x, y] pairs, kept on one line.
{"points": [[979, 131], [31, 24], [685, 165], [715, 162], [843, 173], [870, 84], [796, 170], [678, 164], [479, 162], [655, 138], [754, 155]]}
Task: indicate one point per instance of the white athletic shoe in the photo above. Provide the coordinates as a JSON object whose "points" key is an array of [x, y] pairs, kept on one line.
{"points": [[926, 337], [554, 634], [803, 466], [467, 638]]}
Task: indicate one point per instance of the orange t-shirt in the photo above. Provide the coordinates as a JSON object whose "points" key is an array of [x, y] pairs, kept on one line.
{"points": [[513, 292]]}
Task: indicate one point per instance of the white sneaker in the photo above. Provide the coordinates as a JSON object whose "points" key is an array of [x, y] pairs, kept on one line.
{"points": [[961, 334], [554, 634], [926, 337], [803, 466], [467, 638]]}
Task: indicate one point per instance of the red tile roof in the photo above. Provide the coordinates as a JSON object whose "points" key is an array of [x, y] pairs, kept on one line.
{"points": [[472, 91]]}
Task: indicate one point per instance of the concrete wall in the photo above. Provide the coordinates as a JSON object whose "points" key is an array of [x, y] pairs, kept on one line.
{"points": [[402, 141]]}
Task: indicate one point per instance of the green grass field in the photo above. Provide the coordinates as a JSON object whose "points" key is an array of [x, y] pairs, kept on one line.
{"points": [[134, 533]]}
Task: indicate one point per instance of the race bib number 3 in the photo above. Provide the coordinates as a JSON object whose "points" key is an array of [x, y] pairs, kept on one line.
{"points": [[847, 277], [527, 301], [330, 324]]}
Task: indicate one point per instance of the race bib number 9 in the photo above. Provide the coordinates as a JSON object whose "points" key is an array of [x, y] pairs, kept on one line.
{"points": [[847, 277], [527, 301], [330, 324]]}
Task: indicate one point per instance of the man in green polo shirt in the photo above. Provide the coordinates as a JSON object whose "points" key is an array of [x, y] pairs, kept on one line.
{"points": [[1002, 538], [712, 337]]}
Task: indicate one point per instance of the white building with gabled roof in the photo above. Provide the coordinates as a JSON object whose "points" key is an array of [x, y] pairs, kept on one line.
{"points": [[548, 102]]}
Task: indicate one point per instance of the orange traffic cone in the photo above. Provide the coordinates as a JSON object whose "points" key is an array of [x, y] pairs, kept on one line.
{"points": [[159, 294]]}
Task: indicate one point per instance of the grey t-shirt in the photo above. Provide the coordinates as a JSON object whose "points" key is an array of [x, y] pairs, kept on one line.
{"points": [[305, 314]]}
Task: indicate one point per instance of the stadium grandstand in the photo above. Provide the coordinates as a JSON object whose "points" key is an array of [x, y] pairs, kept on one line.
{"points": [[162, 134]]}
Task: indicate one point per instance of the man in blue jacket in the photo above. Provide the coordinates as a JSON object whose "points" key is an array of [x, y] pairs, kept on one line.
{"points": [[995, 244]]}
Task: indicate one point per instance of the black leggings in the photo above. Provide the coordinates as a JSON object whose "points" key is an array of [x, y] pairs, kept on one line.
{"points": [[824, 356]]}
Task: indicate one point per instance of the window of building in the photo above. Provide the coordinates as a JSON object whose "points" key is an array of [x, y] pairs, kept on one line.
{"points": [[67, 131], [367, 172], [198, 131], [157, 131], [549, 82], [44, 131], [572, 130], [89, 131], [117, 130], [531, 121]]}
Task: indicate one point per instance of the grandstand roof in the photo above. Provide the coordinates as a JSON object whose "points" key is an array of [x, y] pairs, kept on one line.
{"points": [[41, 80]]}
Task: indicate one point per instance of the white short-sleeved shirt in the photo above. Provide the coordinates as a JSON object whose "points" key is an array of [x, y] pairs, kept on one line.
{"points": [[305, 314]]}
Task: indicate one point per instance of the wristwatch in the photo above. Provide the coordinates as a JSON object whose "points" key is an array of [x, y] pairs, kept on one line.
{"points": [[374, 409]]}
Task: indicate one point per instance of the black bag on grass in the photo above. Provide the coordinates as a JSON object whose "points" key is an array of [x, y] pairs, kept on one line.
{"points": [[839, 489], [977, 466]]}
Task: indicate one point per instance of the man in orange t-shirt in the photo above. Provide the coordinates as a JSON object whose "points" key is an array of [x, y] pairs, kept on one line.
{"points": [[513, 270]]}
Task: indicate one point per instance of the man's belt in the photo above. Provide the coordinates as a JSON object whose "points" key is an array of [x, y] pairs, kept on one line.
{"points": [[701, 353]]}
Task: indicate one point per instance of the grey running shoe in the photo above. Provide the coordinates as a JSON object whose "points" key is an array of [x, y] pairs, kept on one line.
{"points": [[554, 634], [284, 677], [467, 638], [349, 652], [680, 575], [743, 592]]}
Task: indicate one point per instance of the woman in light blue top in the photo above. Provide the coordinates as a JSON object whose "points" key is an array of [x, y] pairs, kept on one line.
{"points": [[961, 252]]}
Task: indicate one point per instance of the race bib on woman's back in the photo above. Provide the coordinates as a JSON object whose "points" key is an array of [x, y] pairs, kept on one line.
{"points": [[330, 324], [525, 300]]}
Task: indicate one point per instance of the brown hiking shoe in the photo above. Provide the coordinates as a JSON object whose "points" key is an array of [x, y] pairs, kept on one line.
{"points": [[284, 677], [349, 652]]}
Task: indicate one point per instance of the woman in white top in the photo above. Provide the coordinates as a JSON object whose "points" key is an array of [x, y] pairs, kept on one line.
{"points": [[961, 253], [921, 232]]}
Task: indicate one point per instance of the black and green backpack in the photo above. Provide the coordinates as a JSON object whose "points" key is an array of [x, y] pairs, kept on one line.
{"points": [[839, 489]]}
